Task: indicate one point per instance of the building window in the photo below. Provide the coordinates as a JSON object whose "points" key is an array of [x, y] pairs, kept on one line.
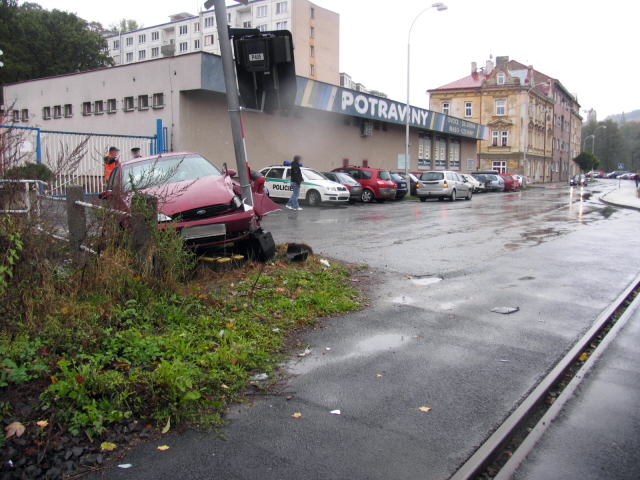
{"points": [[129, 57], [468, 109], [228, 18], [128, 41], [142, 54], [501, 108], [312, 51], [208, 22], [312, 70], [312, 13], [495, 136], [501, 78], [281, 25], [116, 44], [281, 7], [196, 27], [68, 110], [46, 113], [86, 108], [261, 11], [143, 102], [142, 38], [98, 107], [184, 29], [158, 100], [128, 104], [208, 40], [25, 115], [111, 105], [116, 59], [196, 44], [505, 138], [499, 165], [57, 111], [184, 46], [16, 115], [312, 32], [246, 24], [155, 36], [155, 52], [262, 28], [446, 107]]}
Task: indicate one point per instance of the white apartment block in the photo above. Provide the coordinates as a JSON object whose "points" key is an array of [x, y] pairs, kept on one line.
{"points": [[315, 32]]}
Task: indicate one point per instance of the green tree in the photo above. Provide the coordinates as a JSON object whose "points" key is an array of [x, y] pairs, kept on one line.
{"points": [[125, 25], [40, 43], [587, 161]]}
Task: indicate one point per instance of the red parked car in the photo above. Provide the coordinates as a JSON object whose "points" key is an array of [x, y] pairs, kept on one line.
{"points": [[376, 183], [510, 183]]}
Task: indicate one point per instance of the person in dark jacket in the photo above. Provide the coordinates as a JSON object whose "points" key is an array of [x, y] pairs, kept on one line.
{"points": [[296, 181]]}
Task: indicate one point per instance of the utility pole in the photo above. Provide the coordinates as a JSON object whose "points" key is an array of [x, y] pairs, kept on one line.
{"points": [[233, 99]]}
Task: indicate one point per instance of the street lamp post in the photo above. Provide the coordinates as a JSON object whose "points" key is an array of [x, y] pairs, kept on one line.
{"points": [[584, 142], [440, 7], [526, 131], [593, 139]]}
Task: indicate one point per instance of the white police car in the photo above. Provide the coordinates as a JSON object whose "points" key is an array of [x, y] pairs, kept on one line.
{"points": [[315, 188]]}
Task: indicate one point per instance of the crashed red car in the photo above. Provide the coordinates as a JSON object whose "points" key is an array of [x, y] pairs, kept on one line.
{"points": [[510, 183], [202, 200]]}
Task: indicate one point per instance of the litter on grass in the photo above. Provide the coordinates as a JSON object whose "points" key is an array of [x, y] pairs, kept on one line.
{"points": [[335, 412], [125, 465], [325, 263], [306, 352], [260, 376], [505, 310]]}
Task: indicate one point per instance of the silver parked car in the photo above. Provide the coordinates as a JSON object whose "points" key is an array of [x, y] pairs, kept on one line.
{"points": [[443, 184], [477, 185], [497, 182], [354, 187]]}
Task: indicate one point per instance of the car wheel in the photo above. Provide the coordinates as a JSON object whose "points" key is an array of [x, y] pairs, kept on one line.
{"points": [[423, 199], [313, 198], [367, 196], [453, 196], [380, 200], [469, 194]]}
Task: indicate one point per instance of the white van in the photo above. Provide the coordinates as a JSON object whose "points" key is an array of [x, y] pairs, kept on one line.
{"points": [[315, 188]]}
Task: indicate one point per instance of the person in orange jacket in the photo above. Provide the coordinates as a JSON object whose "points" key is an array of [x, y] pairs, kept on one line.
{"points": [[110, 162]]}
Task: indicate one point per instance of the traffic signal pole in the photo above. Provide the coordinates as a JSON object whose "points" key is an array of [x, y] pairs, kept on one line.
{"points": [[233, 100]]}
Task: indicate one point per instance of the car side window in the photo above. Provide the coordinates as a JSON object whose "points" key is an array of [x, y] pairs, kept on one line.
{"points": [[275, 173], [354, 173], [366, 175]]}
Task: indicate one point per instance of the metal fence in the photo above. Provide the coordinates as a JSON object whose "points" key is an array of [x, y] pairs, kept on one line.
{"points": [[75, 158]]}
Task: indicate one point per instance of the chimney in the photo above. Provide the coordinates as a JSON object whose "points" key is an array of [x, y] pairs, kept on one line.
{"points": [[474, 67], [502, 61], [489, 68]]}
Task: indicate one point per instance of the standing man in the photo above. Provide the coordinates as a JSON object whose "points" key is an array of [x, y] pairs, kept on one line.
{"points": [[135, 151], [296, 181], [110, 162]]}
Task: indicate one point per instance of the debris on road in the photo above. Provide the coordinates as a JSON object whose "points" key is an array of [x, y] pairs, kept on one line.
{"points": [[335, 412], [505, 310]]}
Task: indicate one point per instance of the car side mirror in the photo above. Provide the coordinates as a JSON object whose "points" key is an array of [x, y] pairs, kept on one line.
{"points": [[231, 172], [105, 195]]}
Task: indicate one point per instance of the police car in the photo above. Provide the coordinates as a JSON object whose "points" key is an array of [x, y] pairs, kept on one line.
{"points": [[315, 188]]}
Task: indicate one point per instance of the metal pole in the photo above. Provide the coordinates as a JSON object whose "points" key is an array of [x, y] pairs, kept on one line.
{"points": [[233, 101]]}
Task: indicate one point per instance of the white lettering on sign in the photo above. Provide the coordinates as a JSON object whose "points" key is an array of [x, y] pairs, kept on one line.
{"points": [[255, 57]]}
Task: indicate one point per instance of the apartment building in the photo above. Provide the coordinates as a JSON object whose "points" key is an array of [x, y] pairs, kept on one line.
{"points": [[315, 31], [534, 122]]}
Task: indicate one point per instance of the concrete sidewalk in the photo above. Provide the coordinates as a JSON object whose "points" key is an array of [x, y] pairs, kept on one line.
{"points": [[623, 193]]}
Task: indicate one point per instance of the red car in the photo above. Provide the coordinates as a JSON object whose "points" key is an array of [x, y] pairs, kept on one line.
{"points": [[376, 183], [202, 200], [510, 183]]}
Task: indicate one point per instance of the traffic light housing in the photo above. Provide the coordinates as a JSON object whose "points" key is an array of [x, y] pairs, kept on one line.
{"points": [[266, 69]]}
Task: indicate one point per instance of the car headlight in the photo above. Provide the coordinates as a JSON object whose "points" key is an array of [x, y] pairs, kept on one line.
{"points": [[332, 189], [236, 202], [163, 218]]}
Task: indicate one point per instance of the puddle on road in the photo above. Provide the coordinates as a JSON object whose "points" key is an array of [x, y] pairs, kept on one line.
{"points": [[403, 300], [422, 281], [373, 344]]}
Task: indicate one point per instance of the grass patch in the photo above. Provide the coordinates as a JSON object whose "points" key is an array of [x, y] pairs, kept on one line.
{"points": [[104, 342]]}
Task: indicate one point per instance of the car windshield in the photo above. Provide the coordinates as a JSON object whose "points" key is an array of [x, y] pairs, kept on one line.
{"points": [[396, 178], [347, 179], [166, 170], [432, 176], [313, 175]]}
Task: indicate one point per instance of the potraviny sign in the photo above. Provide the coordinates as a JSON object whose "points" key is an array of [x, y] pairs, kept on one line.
{"points": [[336, 99]]}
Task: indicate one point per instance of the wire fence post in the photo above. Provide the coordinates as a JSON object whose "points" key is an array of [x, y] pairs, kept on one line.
{"points": [[77, 220], [144, 220]]}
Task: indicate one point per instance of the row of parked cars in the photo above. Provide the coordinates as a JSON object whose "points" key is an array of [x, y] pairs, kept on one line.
{"points": [[355, 183], [623, 174]]}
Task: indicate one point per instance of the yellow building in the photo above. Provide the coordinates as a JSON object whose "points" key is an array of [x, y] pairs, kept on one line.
{"points": [[530, 117]]}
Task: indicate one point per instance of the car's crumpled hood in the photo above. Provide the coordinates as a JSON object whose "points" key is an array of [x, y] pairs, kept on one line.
{"points": [[187, 195]]}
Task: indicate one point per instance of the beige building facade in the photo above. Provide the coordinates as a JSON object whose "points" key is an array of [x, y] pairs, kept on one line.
{"points": [[532, 120], [315, 31]]}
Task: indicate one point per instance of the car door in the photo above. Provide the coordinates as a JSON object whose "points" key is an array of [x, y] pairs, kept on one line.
{"points": [[464, 184], [277, 183]]}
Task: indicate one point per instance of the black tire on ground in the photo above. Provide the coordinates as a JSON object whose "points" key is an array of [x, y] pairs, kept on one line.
{"points": [[313, 198], [367, 196], [469, 195], [453, 196]]}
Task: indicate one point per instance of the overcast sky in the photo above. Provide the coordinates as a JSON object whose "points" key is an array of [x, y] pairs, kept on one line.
{"points": [[591, 47]]}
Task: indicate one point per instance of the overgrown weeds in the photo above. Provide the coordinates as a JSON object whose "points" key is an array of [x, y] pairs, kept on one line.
{"points": [[114, 341]]}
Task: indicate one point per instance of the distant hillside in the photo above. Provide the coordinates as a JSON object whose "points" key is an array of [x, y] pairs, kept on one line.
{"points": [[628, 117]]}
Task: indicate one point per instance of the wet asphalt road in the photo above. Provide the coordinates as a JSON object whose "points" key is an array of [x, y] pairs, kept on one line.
{"points": [[557, 254]]}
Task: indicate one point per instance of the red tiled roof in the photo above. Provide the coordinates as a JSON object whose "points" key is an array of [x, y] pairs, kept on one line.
{"points": [[472, 81]]}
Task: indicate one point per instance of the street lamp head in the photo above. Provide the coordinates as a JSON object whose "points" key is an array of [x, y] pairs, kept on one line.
{"points": [[441, 8], [437, 5]]}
